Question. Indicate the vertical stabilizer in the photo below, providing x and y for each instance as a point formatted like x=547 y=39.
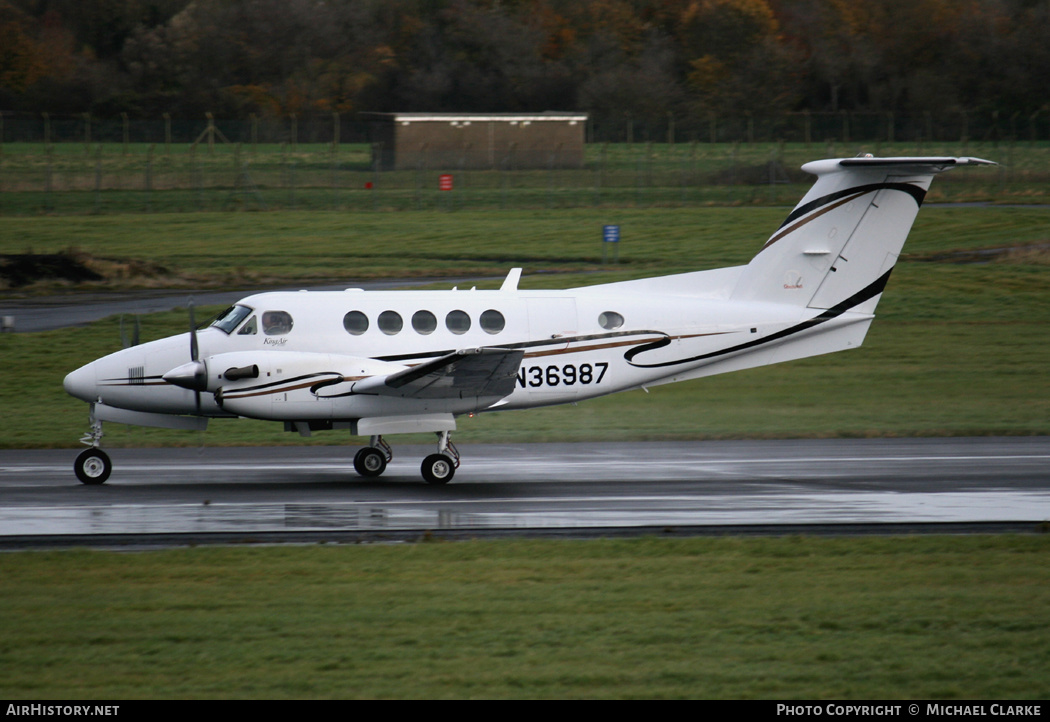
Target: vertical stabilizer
x=840 y=242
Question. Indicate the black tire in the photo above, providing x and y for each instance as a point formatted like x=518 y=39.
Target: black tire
x=93 y=467
x=370 y=462
x=438 y=469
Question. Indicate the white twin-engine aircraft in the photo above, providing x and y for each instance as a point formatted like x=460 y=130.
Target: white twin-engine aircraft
x=393 y=362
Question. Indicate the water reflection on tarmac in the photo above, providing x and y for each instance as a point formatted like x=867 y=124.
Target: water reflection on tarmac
x=535 y=486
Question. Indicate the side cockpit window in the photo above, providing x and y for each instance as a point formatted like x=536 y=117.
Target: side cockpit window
x=276 y=323
x=251 y=328
x=230 y=318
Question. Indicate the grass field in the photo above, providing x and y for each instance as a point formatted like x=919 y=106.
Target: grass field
x=795 y=618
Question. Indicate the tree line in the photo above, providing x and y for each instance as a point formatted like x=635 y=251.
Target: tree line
x=646 y=59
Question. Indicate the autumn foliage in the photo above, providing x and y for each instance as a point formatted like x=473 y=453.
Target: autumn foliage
x=644 y=58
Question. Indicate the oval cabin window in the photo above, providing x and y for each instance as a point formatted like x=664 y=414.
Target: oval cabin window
x=610 y=320
x=355 y=323
x=390 y=322
x=492 y=321
x=424 y=322
x=458 y=322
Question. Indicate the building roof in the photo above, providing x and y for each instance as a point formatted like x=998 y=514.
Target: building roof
x=549 y=115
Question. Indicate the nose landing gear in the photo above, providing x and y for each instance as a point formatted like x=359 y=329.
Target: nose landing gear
x=93 y=465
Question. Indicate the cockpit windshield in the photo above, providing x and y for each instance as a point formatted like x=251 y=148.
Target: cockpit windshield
x=229 y=319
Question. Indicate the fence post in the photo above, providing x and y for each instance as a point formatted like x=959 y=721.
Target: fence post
x=683 y=171
x=124 y=122
x=47 y=177
x=149 y=179
x=504 y=162
x=98 y=178
x=289 y=181
x=649 y=169
x=198 y=177
x=639 y=177
x=550 y=178
x=599 y=175
x=333 y=166
x=733 y=167
x=377 y=168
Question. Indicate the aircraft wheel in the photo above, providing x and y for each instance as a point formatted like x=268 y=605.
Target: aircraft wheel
x=370 y=462
x=93 y=466
x=438 y=469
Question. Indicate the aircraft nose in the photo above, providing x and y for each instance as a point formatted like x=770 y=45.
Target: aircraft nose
x=82 y=383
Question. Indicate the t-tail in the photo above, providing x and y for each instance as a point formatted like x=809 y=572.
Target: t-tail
x=836 y=249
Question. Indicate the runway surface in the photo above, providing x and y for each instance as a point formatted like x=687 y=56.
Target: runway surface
x=531 y=487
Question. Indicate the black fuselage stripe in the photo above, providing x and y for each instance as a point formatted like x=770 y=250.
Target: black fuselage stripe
x=856 y=299
x=561 y=341
x=911 y=189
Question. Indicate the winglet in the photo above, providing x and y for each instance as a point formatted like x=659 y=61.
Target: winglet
x=510 y=283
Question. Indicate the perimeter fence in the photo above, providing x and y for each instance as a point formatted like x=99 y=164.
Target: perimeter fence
x=804 y=127
x=70 y=165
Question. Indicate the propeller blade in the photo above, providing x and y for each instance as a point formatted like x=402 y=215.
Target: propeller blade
x=202 y=373
x=194 y=352
x=135 y=334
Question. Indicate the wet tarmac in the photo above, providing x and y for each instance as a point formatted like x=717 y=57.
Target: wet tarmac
x=535 y=487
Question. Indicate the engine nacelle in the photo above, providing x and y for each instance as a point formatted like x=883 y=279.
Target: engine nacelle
x=288 y=385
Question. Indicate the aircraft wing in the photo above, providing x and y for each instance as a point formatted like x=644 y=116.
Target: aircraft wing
x=461 y=374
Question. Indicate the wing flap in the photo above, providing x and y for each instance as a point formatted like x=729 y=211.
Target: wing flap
x=461 y=374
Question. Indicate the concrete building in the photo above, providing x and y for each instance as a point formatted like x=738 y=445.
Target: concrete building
x=452 y=141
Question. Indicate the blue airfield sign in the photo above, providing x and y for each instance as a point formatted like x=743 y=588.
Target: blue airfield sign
x=610 y=234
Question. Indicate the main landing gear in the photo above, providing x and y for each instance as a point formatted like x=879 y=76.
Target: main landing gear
x=372 y=460
x=437 y=468
x=93 y=465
